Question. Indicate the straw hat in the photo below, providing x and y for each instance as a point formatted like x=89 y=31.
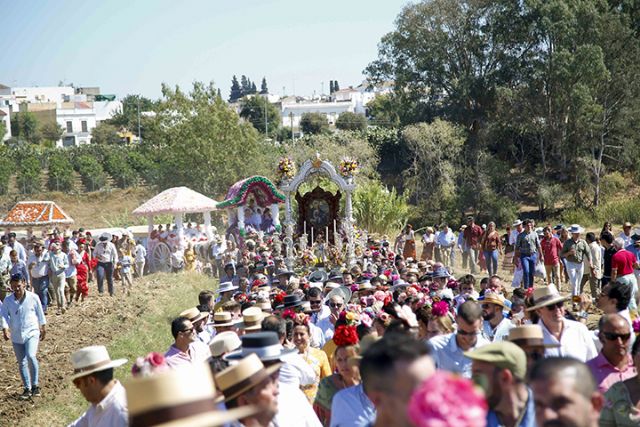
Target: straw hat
x=243 y=376
x=365 y=285
x=529 y=335
x=224 y=342
x=546 y=295
x=92 y=359
x=226 y=287
x=493 y=298
x=251 y=319
x=266 y=345
x=318 y=276
x=181 y=397
x=222 y=318
x=264 y=306
x=194 y=315
x=575 y=229
x=105 y=237
x=341 y=291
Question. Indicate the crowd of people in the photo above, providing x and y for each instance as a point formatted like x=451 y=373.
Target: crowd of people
x=394 y=340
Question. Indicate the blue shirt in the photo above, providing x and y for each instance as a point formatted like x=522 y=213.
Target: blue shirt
x=446 y=240
x=449 y=357
x=20 y=267
x=22 y=318
x=528 y=419
x=352 y=408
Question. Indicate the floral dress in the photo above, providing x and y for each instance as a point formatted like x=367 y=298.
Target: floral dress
x=318 y=360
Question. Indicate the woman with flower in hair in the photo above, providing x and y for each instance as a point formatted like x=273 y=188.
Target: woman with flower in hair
x=435 y=321
x=316 y=358
x=346 y=374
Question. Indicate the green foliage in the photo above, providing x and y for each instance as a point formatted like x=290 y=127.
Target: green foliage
x=25 y=127
x=254 y=109
x=6 y=169
x=202 y=143
x=351 y=121
x=91 y=172
x=236 y=91
x=378 y=209
x=616 y=212
x=384 y=111
x=128 y=117
x=29 y=171
x=51 y=131
x=60 y=171
x=264 y=90
x=3 y=130
x=613 y=185
x=314 y=123
x=105 y=134
x=117 y=164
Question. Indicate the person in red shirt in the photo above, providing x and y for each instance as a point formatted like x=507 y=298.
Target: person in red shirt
x=622 y=265
x=472 y=235
x=551 y=247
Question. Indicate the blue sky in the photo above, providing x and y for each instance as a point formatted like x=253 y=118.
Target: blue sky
x=132 y=46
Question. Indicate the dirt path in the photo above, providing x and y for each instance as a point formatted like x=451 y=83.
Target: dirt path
x=84 y=324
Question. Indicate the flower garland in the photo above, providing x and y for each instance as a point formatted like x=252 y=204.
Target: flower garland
x=348 y=167
x=286 y=168
x=436 y=403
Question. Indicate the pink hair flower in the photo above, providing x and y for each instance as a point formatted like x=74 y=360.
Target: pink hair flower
x=439 y=309
x=436 y=403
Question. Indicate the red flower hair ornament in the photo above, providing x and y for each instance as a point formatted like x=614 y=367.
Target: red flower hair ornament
x=345 y=335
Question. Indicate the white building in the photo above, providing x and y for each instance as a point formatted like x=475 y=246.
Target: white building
x=5 y=118
x=292 y=111
x=77 y=119
x=32 y=95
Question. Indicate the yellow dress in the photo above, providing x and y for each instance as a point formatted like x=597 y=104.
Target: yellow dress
x=318 y=360
x=329 y=349
x=189 y=259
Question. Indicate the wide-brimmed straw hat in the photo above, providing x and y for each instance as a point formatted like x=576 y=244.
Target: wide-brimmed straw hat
x=92 y=359
x=266 y=345
x=492 y=298
x=516 y=223
x=105 y=237
x=319 y=276
x=365 y=285
x=222 y=318
x=546 y=295
x=243 y=376
x=180 y=397
x=342 y=291
x=224 y=342
x=529 y=335
x=194 y=315
x=226 y=287
x=251 y=319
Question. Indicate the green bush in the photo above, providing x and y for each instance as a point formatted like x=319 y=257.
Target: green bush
x=29 y=173
x=117 y=165
x=351 y=121
x=6 y=170
x=378 y=209
x=91 y=172
x=60 y=171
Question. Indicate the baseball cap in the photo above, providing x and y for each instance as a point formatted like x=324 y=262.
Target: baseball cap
x=504 y=355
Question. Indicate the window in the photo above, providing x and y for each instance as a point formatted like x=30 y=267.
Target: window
x=69 y=127
x=84 y=126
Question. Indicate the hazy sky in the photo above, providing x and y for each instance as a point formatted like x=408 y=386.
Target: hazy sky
x=132 y=46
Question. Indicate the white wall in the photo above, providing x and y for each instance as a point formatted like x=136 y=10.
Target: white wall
x=331 y=109
x=6 y=119
x=76 y=116
x=55 y=94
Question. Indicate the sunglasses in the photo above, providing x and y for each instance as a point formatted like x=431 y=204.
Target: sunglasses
x=467 y=333
x=552 y=307
x=187 y=330
x=335 y=304
x=312 y=302
x=610 y=336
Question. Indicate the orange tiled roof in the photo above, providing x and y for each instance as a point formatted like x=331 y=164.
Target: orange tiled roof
x=36 y=214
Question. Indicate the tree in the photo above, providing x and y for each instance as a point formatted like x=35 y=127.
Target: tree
x=351 y=121
x=105 y=134
x=236 y=90
x=378 y=209
x=435 y=149
x=130 y=114
x=264 y=90
x=25 y=127
x=336 y=86
x=254 y=89
x=314 y=123
x=51 y=131
x=201 y=142
x=3 y=130
x=331 y=88
x=245 y=85
x=253 y=110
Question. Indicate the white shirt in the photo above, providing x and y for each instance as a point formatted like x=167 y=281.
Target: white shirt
x=41 y=266
x=450 y=357
x=513 y=236
x=627 y=239
x=327 y=328
x=74 y=259
x=351 y=407
x=110 y=412
x=596 y=259
x=575 y=341
x=317 y=336
x=501 y=331
x=294 y=410
x=21 y=252
x=296 y=371
x=140 y=253
x=324 y=312
x=106 y=252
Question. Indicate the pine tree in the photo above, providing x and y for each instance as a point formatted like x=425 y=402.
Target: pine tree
x=336 y=87
x=254 y=89
x=245 y=85
x=219 y=93
x=236 y=90
x=330 y=87
x=263 y=87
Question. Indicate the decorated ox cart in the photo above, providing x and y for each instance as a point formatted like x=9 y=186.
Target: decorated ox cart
x=176 y=201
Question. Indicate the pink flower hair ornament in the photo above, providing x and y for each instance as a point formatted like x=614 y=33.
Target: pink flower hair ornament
x=436 y=403
x=440 y=308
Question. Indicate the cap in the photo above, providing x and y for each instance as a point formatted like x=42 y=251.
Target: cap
x=503 y=354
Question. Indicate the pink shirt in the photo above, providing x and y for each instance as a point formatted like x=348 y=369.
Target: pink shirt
x=606 y=374
x=198 y=352
x=550 y=249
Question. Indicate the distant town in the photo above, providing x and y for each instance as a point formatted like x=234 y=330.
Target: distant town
x=78 y=110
